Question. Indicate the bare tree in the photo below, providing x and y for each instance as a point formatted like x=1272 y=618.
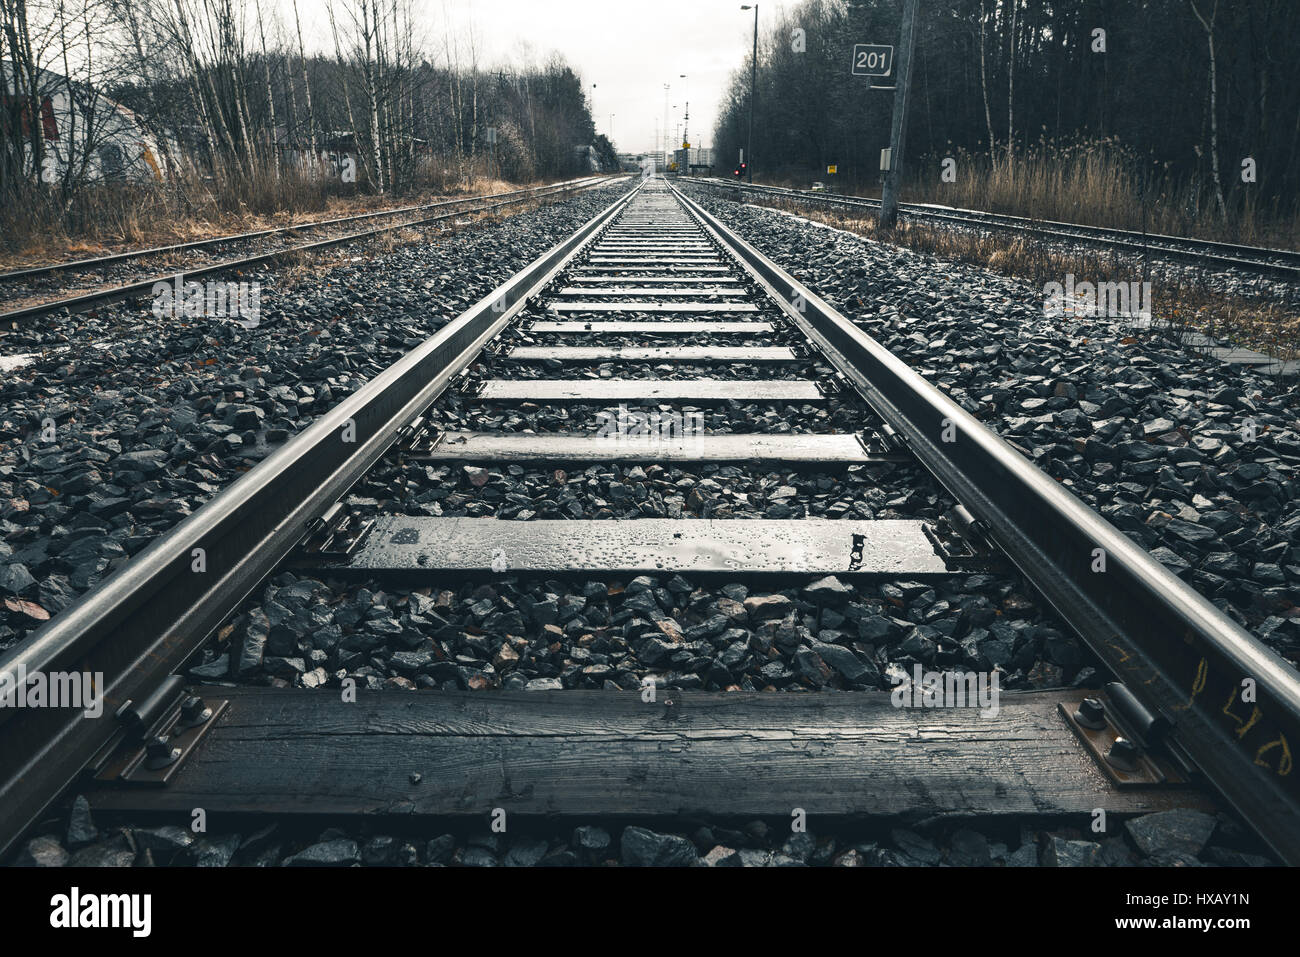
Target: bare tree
x=984 y=81
x=306 y=82
x=1208 y=26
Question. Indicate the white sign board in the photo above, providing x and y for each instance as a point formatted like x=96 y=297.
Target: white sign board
x=872 y=60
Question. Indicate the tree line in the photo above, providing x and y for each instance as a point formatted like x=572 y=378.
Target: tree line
x=229 y=89
x=1205 y=92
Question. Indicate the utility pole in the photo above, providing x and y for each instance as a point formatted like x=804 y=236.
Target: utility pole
x=753 y=92
x=686 y=138
x=686 y=128
x=667 y=129
x=898 y=129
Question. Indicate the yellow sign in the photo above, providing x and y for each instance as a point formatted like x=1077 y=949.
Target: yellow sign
x=685 y=145
x=830 y=169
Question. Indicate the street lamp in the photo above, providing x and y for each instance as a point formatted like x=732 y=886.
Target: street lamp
x=753 y=91
x=664 y=142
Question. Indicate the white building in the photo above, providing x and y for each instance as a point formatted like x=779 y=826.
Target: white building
x=698 y=157
x=84 y=134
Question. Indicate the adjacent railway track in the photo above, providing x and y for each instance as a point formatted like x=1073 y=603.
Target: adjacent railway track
x=20 y=281
x=1274 y=263
x=695 y=318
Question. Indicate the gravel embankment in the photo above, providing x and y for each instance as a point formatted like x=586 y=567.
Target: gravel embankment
x=1153 y=437
x=153 y=416
x=980 y=337
x=1165 y=839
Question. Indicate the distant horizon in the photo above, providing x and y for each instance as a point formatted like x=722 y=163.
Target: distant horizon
x=706 y=41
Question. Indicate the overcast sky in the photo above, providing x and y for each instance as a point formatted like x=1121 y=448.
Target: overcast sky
x=628 y=49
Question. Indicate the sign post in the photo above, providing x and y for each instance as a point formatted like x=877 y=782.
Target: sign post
x=898 y=130
x=872 y=60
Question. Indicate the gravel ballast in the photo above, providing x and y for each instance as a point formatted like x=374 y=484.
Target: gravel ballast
x=153 y=424
x=1192 y=458
x=150 y=417
x=1178 y=838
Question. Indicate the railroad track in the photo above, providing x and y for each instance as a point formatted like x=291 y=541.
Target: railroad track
x=19 y=283
x=1276 y=263
x=692 y=318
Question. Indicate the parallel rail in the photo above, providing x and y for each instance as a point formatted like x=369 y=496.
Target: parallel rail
x=1279 y=263
x=98 y=262
x=122 y=293
x=1180 y=656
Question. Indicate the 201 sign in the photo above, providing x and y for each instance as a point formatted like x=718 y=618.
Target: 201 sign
x=869 y=60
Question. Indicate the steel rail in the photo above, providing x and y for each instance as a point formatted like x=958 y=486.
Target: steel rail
x=145 y=620
x=144 y=287
x=97 y=262
x=1184 y=659
x=1181 y=248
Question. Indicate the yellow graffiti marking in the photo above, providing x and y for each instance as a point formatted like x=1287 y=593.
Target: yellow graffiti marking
x=1243 y=725
x=1284 y=763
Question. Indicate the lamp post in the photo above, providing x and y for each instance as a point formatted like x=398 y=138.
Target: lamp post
x=671 y=136
x=664 y=143
x=753 y=92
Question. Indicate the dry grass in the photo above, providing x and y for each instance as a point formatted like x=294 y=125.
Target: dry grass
x=1178 y=304
x=310 y=267
x=1096 y=183
x=109 y=218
